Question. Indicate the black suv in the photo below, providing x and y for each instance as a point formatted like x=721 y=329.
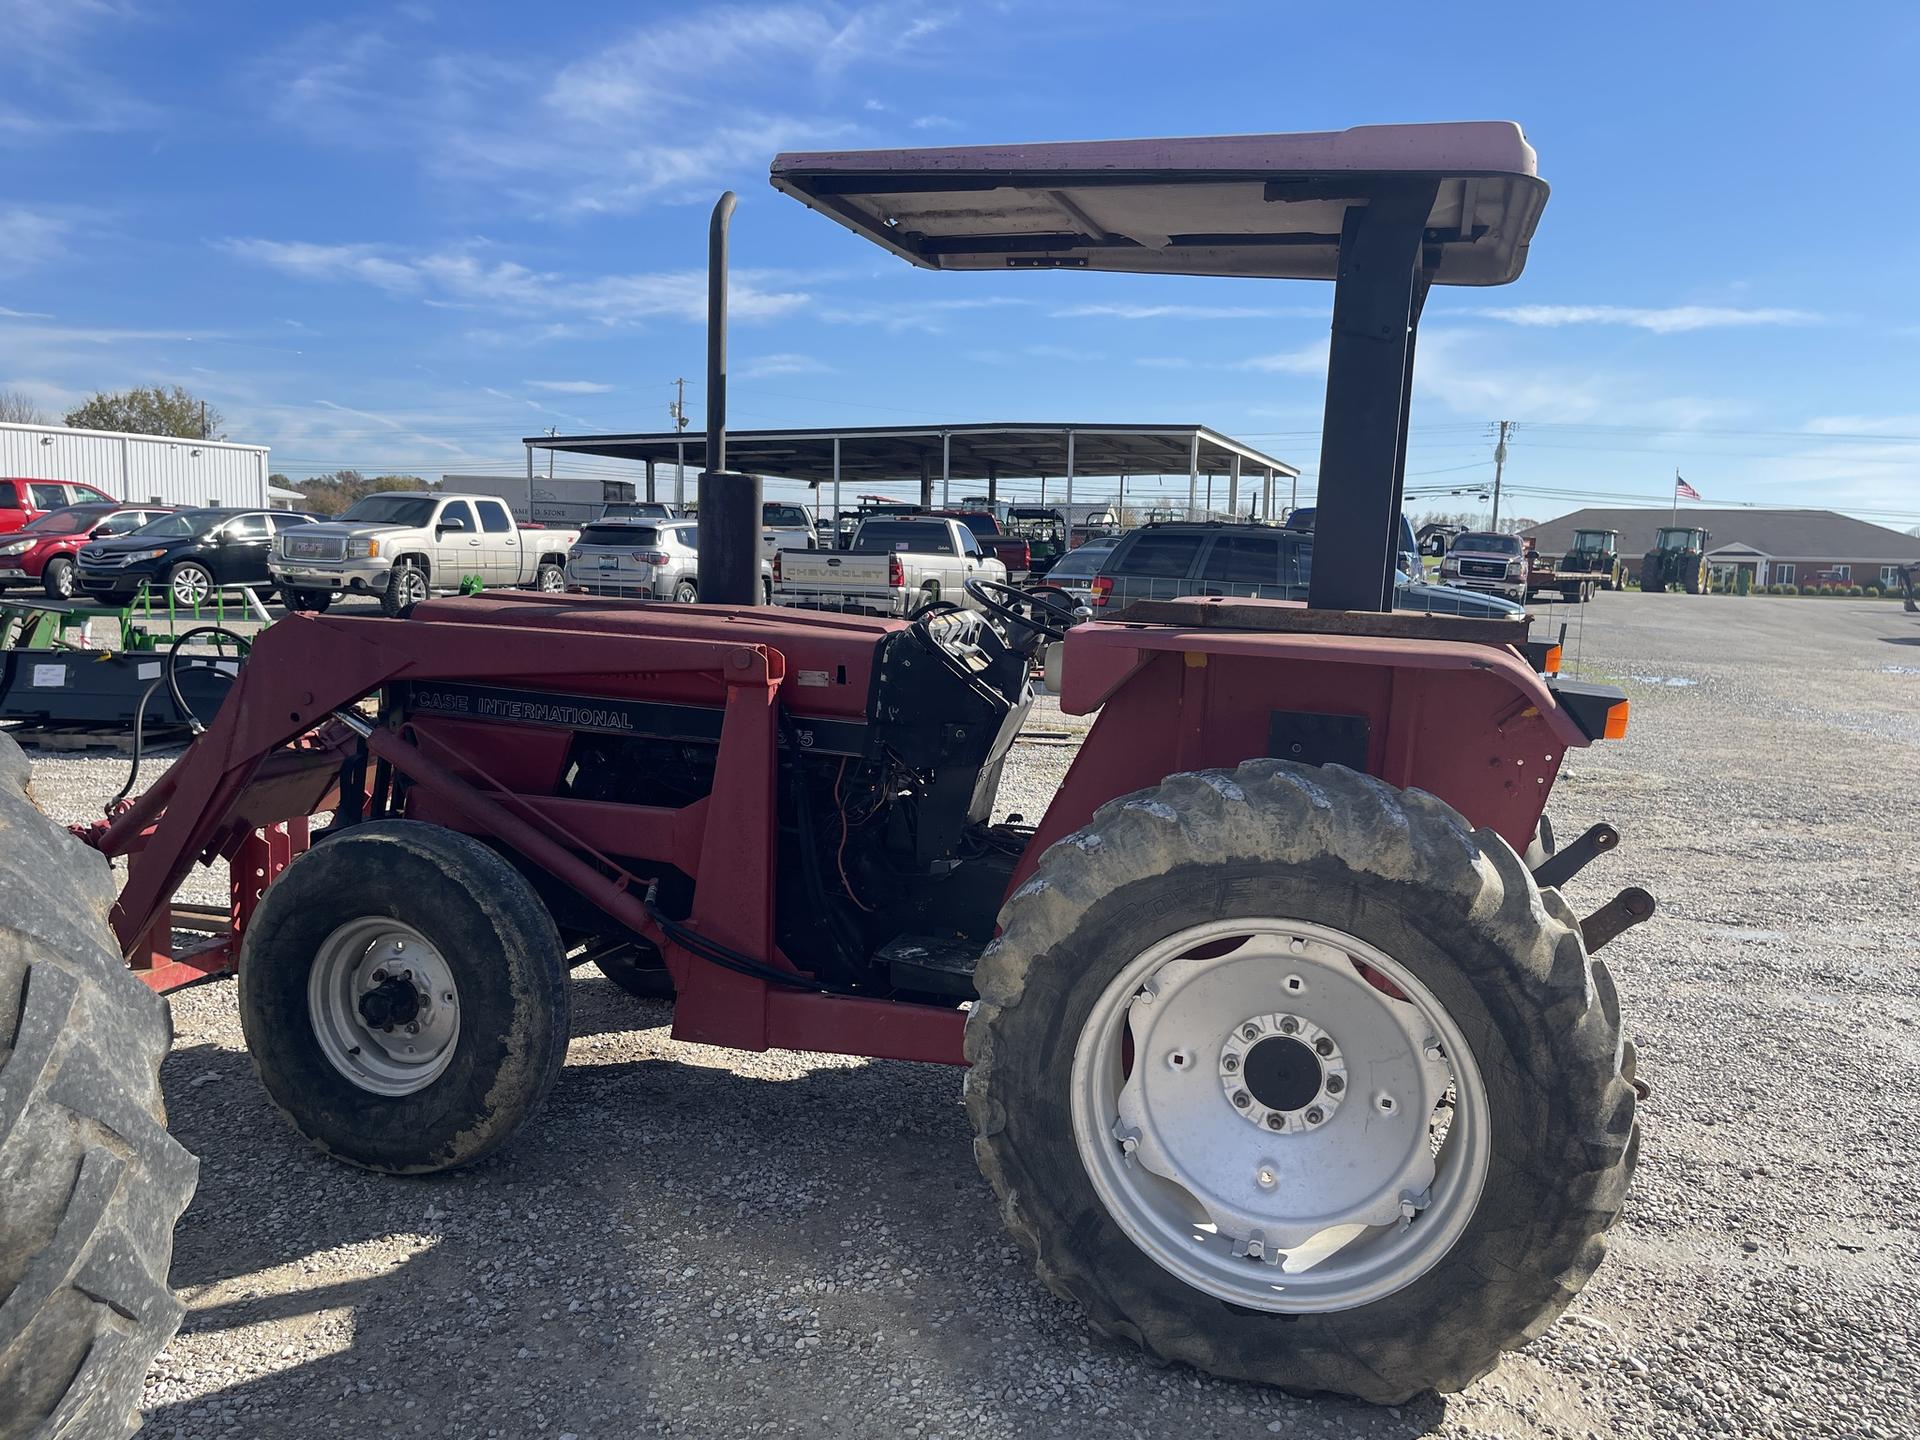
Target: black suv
x=190 y=554
x=1162 y=562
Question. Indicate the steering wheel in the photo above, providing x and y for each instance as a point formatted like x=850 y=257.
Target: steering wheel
x=1024 y=608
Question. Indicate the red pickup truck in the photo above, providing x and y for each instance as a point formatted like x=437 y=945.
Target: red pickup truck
x=23 y=500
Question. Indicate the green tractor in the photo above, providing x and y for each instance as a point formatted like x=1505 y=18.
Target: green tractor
x=1678 y=557
x=1596 y=552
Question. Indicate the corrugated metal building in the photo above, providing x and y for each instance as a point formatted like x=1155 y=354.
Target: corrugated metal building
x=143 y=469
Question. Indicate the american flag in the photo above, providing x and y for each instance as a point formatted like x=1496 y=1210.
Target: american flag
x=1683 y=490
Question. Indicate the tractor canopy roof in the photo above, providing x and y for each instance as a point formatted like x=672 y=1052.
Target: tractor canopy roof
x=1256 y=205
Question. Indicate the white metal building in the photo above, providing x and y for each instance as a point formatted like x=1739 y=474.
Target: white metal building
x=142 y=469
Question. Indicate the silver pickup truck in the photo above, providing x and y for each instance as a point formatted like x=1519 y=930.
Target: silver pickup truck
x=893 y=567
x=403 y=545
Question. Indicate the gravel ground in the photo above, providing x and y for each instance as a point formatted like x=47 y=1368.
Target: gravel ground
x=693 y=1241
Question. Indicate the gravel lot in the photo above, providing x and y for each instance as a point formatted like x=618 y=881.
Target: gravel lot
x=699 y=1242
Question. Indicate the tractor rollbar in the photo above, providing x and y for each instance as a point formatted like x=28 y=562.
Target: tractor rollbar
x=1377 y=298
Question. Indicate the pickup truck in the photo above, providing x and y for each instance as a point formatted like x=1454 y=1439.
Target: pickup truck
x=1010 y=550
x=1481 y=560
x=403 y=545
x=893 y=567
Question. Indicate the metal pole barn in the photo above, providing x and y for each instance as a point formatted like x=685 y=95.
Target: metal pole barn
x=946 y=471
x=1233 y=487
x=1069 y=477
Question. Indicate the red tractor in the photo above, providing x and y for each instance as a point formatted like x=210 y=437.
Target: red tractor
x=1284 y=1062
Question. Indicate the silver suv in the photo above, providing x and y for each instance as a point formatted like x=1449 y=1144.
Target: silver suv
x=643 y=560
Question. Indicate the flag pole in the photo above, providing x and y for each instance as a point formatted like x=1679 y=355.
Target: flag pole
x=1674 y=519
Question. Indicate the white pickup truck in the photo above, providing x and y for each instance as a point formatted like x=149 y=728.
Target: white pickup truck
x=893 y=567
x=403 y=545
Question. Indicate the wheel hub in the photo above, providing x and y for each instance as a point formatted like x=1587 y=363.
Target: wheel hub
x=1332 y=1152
x=1282 y=1072
x=384 y=1006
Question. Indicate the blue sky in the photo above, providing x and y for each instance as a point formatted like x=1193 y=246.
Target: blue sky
x=403 y=236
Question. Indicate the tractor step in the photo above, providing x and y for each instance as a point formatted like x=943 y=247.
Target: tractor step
x=931 y=964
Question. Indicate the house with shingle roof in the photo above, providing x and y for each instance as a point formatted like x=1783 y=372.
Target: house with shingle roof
x=1776 y=547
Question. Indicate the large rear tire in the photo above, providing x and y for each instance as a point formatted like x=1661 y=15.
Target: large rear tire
x=404 y=997
x=90 y=1182
x=1374 y=921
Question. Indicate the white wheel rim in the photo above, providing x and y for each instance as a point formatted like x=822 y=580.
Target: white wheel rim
x=190 y=587
x=376 y=952
x=551 y=580
x=1352 y=1172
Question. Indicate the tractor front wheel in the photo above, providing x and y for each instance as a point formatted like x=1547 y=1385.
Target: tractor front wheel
x=1694 y=582
x=403 y=993
x=1299 y=1079
x=1651 y=581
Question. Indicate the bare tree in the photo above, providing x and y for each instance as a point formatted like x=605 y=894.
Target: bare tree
x=17 y=408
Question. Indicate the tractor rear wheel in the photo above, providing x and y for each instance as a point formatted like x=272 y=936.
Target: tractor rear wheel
x=1650 y=578
x=404 y=997
x=1299 y=1079
x=90 y=1181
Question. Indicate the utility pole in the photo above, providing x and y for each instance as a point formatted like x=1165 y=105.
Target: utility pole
x=203 y=422
x=552 y=430
x=678 y=412
x=1499 y=466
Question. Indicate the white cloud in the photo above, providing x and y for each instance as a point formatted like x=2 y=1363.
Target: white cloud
x=931 y=316
x=47 y=89
x=1671 y=320
x=1110 y=311
x=767 y=366
x=630 y=122
x=30 y=238
x=570 y=387
x=1307 y=360
x=461 y=277
x=935 y=122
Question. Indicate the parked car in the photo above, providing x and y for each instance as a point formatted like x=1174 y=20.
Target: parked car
x=640 y=510
x=1074 y=571
x=1163 y=562
x=1480 y=560
x=637 y=560
x=24 y=501
x=403 y=545
x=189 y=554
x=43 y=550
x=893 y=567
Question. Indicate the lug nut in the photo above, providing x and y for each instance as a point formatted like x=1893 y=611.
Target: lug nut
x=379 y=976
x=1316 y=1115
x=1289 y=1025
x=1242 y=1099
x=1276 y=1122
x=1335 y=1084
x=1230 y=1063
x=1323 y=1045
x=413 y=1027
x=1249 y=1032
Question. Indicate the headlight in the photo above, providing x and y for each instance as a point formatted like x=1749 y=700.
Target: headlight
x=363 y=549
x=147 y=555
x=16 y=547
x=1513 y=567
